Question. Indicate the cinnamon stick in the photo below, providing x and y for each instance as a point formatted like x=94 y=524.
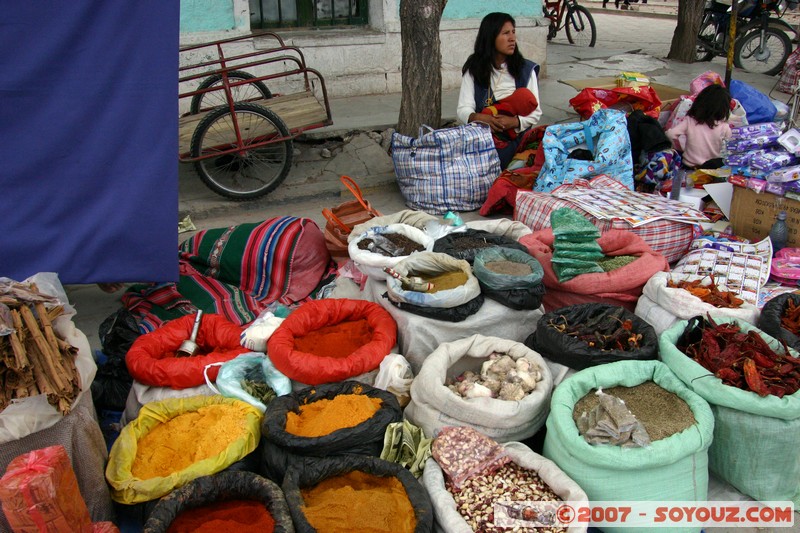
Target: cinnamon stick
x=49 y=359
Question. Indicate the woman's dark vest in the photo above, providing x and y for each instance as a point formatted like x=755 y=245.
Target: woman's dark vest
x=481 y=93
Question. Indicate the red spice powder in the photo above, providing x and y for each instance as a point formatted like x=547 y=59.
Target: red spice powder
x=246 y=516
x=338 y=341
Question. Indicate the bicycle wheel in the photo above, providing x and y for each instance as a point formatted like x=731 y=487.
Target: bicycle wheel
x=706 y=35
x=242 y=93
x=768 y=60
x=249 y=172
x=580 y=26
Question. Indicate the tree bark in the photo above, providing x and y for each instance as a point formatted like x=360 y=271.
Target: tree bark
x=421 y=101
x=684 y=47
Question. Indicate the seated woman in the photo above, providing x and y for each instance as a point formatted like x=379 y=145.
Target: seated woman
x=499 y=87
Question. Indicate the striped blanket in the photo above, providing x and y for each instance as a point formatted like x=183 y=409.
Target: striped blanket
x=237 y=272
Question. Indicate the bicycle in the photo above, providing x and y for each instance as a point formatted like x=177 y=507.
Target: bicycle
x=576 y=19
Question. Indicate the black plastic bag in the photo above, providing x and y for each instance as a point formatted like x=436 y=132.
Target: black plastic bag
x=577 y=354
x=282 y=449
x=298 y=478
x=111 y=384
x=458 y=313
x=770 y=320
x=219 y=487
x=449 y=244
x=117 y=332
x=519 y=299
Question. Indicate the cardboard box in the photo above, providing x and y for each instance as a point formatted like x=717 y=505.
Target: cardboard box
x=665 y=93
x=752 y=214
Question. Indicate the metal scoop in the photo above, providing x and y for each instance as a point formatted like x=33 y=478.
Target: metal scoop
x=189 y=347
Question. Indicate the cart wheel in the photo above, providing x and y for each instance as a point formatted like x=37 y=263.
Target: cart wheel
x=242 y=173
x=252 y=91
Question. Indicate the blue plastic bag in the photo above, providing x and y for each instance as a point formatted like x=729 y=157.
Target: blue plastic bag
x=605 y=134
x=757 y=105
x=231 y=374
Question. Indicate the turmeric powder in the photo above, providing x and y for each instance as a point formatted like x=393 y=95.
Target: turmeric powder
x=445 y=280
x=187 y=439
x=323 y=417
x=358 y=501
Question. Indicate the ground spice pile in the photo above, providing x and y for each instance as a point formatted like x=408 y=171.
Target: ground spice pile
x=187 y=439
x=338 y=340
x=247 y=516
x=443 y=281
x=323 y=417
x=662 y=412
x=402 y=245
x=509 y=268
x=361 y=502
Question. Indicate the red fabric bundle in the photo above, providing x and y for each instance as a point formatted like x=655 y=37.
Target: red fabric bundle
x=39 y=492
x=521 y=102
x=314 y=369
x=622 y=286
x=627 y=99
x=151 y=359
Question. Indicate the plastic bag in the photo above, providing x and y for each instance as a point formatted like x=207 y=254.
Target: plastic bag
x=770 y=320
x=758 y=106
x=463 y=452
x=256 y=335
x=516 y=292
x=452 y=244
x=705 y=79
x=395 y=375
x=255 y=367
x=118 y=332
x=372 y=262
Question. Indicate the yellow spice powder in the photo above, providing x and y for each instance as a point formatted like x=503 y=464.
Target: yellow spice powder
x=361 y=502
x=323 y=417
x=186 y=439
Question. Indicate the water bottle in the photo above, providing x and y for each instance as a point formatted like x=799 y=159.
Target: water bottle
x=677 y=183
x=723 y=152
x=778 y=234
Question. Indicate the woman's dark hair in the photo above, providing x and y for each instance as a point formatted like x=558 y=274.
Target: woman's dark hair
x=479 y=64
x=712 y=105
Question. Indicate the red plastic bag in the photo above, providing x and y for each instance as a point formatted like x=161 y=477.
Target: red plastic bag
x=151 y=359
x=39 y=493
x=626 y=99
x=313 y=369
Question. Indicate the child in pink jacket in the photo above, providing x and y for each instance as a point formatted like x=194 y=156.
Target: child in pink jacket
x=701 y=134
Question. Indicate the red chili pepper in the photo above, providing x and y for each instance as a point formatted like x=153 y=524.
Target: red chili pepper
x=753 y=378
x=762 y=360
x=727 y=374
x=785 y=368
x=777 y=391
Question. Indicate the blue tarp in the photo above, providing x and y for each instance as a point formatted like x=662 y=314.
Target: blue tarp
x=88 y=156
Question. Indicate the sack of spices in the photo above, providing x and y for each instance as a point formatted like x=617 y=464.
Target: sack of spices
x=330 y=340
x=326 y=420
x=39 y=492
x=385 y=246
x=584 y=335
x=752 y=433
x=350 y=493
x=780 y=318
x=661 y=304
x=175 y=441
x=671 y=468
x=242 y=501
x=509 y=276
x=495 y=402
x=465 y=244
x=527 y=476
x=152 y=358
x=452 y=279
x=621 y=286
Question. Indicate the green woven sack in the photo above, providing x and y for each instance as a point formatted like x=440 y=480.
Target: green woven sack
x=755 y=438
x=675 y=468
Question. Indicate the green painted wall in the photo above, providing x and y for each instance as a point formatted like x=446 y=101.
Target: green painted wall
x=467 y=9
x=206 y=15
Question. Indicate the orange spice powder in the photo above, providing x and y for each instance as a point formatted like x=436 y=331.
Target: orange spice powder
x=361 y=502
x=186 y=439
x=339 y=340
x=323 y=417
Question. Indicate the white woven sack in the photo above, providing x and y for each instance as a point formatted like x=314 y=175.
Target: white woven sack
x=434 y=406
x=513 y=229
x=684 y=305
x=410 y=217
x=433 y=263
x=654 y=314
x=371 y=263
x=444 y=506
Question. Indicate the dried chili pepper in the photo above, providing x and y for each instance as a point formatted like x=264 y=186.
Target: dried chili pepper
x=753 y=378
x=710 y=294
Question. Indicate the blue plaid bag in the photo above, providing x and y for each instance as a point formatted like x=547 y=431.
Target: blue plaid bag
x=605 y=134
x=444 y=170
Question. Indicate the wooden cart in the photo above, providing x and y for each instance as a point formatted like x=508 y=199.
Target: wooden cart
x=238 y=133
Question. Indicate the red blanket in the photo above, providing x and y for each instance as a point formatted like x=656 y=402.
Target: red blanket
x=522 y=102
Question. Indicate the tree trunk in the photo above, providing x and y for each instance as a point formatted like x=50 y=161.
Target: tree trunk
x=684 y=47
x=421 y=101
